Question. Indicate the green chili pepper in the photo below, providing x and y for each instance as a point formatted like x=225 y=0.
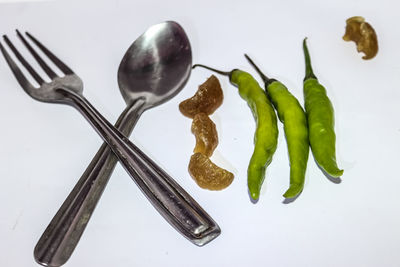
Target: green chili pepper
x=266 y=135
x=294 y=120
x=320 y=116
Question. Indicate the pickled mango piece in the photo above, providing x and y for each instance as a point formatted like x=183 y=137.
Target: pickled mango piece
x=206 y=134
x=207 y=99
x=208 y=175
x=363 y=35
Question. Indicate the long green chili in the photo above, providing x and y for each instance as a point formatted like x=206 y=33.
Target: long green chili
x=320 y=116
x=294 y=120
x=266 y=134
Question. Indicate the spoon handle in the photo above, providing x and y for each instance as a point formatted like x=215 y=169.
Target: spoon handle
x=171 y=200
x=166 y=195
x=61 y=236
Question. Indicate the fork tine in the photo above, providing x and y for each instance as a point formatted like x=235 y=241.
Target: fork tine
x=61 y=65
x=25 y=84
x=28 y=67
x=41 y=62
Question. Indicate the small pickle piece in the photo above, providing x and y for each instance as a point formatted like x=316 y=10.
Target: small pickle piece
x=206 y=134
x=363 y=35
x=207 y=99
x=208 y=175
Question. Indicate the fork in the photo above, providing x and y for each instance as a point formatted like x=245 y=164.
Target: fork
x=166 y=195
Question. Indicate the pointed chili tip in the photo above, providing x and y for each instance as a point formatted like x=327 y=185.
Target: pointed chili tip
x=335 y=173
x=254 y=196
x=293 y=191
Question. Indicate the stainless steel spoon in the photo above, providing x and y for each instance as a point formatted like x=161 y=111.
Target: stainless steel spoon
x=153 y=70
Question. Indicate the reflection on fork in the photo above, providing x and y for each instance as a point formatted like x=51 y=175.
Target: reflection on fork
x=172 y=201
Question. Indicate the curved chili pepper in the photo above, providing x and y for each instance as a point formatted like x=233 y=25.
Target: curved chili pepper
x=266 y=134
x=320 y=116
x=294 y=120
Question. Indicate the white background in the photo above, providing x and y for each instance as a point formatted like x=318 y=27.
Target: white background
x=45 y=148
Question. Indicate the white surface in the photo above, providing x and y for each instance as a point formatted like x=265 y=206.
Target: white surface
x=45 y=148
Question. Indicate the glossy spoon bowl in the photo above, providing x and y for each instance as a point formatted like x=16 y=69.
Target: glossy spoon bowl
x=156 y=66
x=154 y=69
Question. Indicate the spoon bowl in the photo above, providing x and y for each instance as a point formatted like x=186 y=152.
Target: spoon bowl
x=156 y=66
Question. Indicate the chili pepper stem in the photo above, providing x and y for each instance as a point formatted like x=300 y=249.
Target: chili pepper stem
x=309 y=70
x=227 y=73
x=263 y=76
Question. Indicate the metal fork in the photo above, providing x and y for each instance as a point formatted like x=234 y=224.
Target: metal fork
x=170 y=199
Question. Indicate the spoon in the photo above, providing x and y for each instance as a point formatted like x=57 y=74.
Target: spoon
x=153 y=70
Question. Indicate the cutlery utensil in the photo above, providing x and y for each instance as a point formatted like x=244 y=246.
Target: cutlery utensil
x=154 y=69
x=176 y=205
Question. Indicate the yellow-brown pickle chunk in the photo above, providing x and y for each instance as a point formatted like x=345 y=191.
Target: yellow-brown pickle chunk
x=208 y=175
x=363 y=35
x=207 y=99
x=206 y=134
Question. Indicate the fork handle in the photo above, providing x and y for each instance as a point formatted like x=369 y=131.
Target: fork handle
x=166 y=195
x=61 y=236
